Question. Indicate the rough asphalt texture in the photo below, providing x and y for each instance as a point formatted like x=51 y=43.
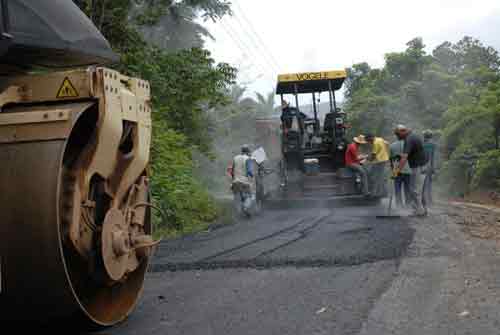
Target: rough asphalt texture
x=328 y=271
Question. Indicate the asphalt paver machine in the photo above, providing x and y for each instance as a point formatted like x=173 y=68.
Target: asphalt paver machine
x=312 y=167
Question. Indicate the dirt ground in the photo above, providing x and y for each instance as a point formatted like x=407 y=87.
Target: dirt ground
x=479 y=220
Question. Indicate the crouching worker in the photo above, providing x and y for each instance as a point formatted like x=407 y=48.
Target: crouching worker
x=353 y=161
x=242 y=181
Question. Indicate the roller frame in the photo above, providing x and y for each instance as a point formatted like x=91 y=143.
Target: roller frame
x=51 y=263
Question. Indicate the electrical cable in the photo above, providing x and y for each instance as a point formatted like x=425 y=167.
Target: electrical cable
x=255 y=45
x=249 y=51
x=258 y=37
x=240 y=44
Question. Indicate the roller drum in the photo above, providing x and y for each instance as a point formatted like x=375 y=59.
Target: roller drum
x=42 y=277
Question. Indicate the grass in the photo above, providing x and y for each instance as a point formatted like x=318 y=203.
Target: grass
x=224 y=217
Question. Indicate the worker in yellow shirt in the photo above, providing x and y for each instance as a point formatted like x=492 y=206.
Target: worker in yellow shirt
x=379 y=160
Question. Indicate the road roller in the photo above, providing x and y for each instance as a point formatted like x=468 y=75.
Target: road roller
x=75 y=229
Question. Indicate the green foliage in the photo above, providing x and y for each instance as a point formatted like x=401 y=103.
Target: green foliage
x=155 y=9
x=185 y=202
x=168 y=24
x=186 y=84
x=458 y=169
x=455 y=92
x=487 y=173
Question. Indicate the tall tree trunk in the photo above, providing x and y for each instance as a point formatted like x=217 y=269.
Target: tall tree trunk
x=92 y=9
x=103 y=14
x=497 y=135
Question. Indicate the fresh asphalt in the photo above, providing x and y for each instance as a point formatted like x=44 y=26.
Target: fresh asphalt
x=322 y=271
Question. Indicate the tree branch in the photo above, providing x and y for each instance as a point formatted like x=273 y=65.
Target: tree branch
x=103 y=12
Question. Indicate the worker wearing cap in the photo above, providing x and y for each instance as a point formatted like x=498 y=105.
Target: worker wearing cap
x=353 y=161
x=289 y=115
x=242 y=180
x=379 y=159
x=414 y=154
x=428 y=171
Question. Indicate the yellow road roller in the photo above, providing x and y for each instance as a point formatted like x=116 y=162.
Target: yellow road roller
x=75 y=229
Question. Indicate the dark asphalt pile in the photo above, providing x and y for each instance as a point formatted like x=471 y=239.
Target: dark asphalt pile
x=298 y=238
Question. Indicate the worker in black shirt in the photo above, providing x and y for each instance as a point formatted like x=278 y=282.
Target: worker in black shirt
x=414 y=154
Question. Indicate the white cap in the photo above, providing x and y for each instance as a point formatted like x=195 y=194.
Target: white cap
x=401 y=127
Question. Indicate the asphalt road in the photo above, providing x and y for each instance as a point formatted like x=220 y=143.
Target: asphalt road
x=326 y=271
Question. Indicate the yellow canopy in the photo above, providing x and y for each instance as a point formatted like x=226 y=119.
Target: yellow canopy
x=308 y=82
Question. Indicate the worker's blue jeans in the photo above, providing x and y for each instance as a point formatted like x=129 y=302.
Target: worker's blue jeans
x=417 y=189
x=243 y=201
x=243 y=198
x=427 y=194
x=361 y=170
x=402 y=182
x=378 y=178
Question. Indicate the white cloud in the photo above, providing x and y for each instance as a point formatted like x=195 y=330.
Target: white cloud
x=326 y=34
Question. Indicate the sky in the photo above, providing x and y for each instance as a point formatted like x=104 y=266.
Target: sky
x=266 y=37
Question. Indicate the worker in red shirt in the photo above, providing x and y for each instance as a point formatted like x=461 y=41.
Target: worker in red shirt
x=353 y=161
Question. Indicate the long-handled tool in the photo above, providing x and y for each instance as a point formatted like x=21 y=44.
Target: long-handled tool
x=389 y=208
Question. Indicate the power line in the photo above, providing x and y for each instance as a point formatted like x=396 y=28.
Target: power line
x=267 y=75
x=248 y=39
x=259 y=39
x=249 y=46
x=235 y=40
x=248 y=50
x=240 y=44
x=255 y=46
x=253 y=42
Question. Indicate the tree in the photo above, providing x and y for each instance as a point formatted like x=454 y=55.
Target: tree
x=355 y=78
x=472 y=54
x=446 y=58
x=265 y=104
x=455 y=92
x=168 y=24
x=186 y=84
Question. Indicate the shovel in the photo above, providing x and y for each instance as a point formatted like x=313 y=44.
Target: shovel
x=389 y=209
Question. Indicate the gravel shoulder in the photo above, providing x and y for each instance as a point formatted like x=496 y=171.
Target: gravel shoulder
x=448 y=283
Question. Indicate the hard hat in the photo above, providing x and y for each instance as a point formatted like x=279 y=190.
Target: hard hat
x=245 y=149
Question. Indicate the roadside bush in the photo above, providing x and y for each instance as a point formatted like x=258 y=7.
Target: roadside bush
x=456 y=173
x=184 y=201
x=487 y=172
